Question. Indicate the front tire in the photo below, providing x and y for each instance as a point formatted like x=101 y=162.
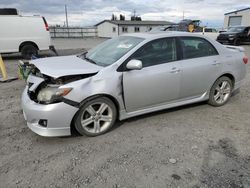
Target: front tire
x=96 y=117
x=220 y=91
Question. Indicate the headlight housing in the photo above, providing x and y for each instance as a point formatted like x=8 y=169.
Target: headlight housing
x=51 y=94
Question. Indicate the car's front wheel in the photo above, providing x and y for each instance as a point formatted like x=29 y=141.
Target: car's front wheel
x=220 y=91
x=96 y=117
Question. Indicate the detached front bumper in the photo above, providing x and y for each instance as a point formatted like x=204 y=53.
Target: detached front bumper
x=58 y=117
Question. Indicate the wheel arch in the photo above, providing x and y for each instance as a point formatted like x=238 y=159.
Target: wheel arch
x=230 y=76
x=28 y=43
x=112 y=98
x=227 y=74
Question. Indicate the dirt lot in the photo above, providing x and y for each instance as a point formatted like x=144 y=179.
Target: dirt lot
x=192 y=146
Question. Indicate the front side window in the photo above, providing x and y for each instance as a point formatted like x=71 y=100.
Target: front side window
x=194 y=47
x=157 y=52
x=112 y=50
x=236 y=29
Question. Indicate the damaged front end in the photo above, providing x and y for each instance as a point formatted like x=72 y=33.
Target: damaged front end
x=44 y=89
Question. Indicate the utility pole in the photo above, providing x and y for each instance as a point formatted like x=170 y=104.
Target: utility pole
x=67 y=23
x=66 y=14
x=183 y=14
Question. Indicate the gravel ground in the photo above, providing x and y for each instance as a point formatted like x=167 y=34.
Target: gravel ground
x=191 y=146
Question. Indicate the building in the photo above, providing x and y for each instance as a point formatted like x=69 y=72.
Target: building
x=113 y=28
x=238 y=17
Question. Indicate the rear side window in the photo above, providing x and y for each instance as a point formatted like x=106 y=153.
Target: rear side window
x=194 y=47
x=157 y=52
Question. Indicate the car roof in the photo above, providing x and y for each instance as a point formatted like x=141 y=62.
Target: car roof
x=161 y=34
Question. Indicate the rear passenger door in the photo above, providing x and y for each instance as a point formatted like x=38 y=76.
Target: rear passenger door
x=200 y=66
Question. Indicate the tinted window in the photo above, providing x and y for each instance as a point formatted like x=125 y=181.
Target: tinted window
x=246 y=30
x=157 y=52
x=210 y=30
x=236 y=29
x=193 y=47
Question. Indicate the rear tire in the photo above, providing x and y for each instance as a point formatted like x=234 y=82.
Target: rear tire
x=28 y=50
x=220 y=91
x=96 y=117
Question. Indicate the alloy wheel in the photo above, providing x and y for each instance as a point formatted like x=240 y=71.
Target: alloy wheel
x=222 y=92
x=96 y=117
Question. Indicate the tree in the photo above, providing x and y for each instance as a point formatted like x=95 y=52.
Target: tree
x=122 y=17
x=136 y=18
x=113 y=17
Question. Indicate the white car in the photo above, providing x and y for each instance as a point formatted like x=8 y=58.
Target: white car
x=25 y=34
x=210 y=32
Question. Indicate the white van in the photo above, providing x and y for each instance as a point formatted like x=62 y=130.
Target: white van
x=25 y=34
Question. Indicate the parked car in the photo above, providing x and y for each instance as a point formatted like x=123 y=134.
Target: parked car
x=210 y=32
x=128 y=76
x=25 y=34
x=235 y=35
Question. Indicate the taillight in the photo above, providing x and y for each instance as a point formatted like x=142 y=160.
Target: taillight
x=245 y=59
x=45 y=24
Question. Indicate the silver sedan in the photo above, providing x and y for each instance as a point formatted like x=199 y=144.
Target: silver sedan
x=127 y=76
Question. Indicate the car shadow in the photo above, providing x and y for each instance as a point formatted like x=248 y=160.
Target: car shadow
x=160 y=112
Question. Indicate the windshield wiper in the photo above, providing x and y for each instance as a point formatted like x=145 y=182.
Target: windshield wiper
x=90 y=60
x=83 y=56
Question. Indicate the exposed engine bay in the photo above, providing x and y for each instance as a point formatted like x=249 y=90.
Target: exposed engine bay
x=47 y=89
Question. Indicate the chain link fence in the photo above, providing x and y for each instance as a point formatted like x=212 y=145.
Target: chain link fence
x=72 y=32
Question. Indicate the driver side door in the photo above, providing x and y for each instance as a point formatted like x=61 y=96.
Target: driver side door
x=158 y=82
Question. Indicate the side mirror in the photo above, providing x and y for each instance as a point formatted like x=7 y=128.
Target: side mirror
x=134 y=64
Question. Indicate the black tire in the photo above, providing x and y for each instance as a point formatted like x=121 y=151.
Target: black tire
x=28 y=50
x=214 y=91
x=236 y=42
x=83 y=114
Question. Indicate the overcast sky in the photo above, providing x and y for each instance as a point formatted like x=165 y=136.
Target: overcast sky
x=87 y=12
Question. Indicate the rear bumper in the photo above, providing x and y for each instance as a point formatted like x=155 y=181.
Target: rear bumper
x=58 y=117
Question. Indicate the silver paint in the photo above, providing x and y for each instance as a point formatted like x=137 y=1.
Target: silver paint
x=135 y=92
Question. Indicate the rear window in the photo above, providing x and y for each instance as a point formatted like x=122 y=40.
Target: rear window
x=236 y=29
x=194 y=47
x=45 y=24
x=8 y=11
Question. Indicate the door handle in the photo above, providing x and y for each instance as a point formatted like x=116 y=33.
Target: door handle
x=215 y=63
x=175 y=70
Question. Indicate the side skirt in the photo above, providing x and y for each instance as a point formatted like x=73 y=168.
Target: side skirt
x=126 y=115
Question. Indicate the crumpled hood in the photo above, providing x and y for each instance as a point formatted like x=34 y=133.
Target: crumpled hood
x=64 y=66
